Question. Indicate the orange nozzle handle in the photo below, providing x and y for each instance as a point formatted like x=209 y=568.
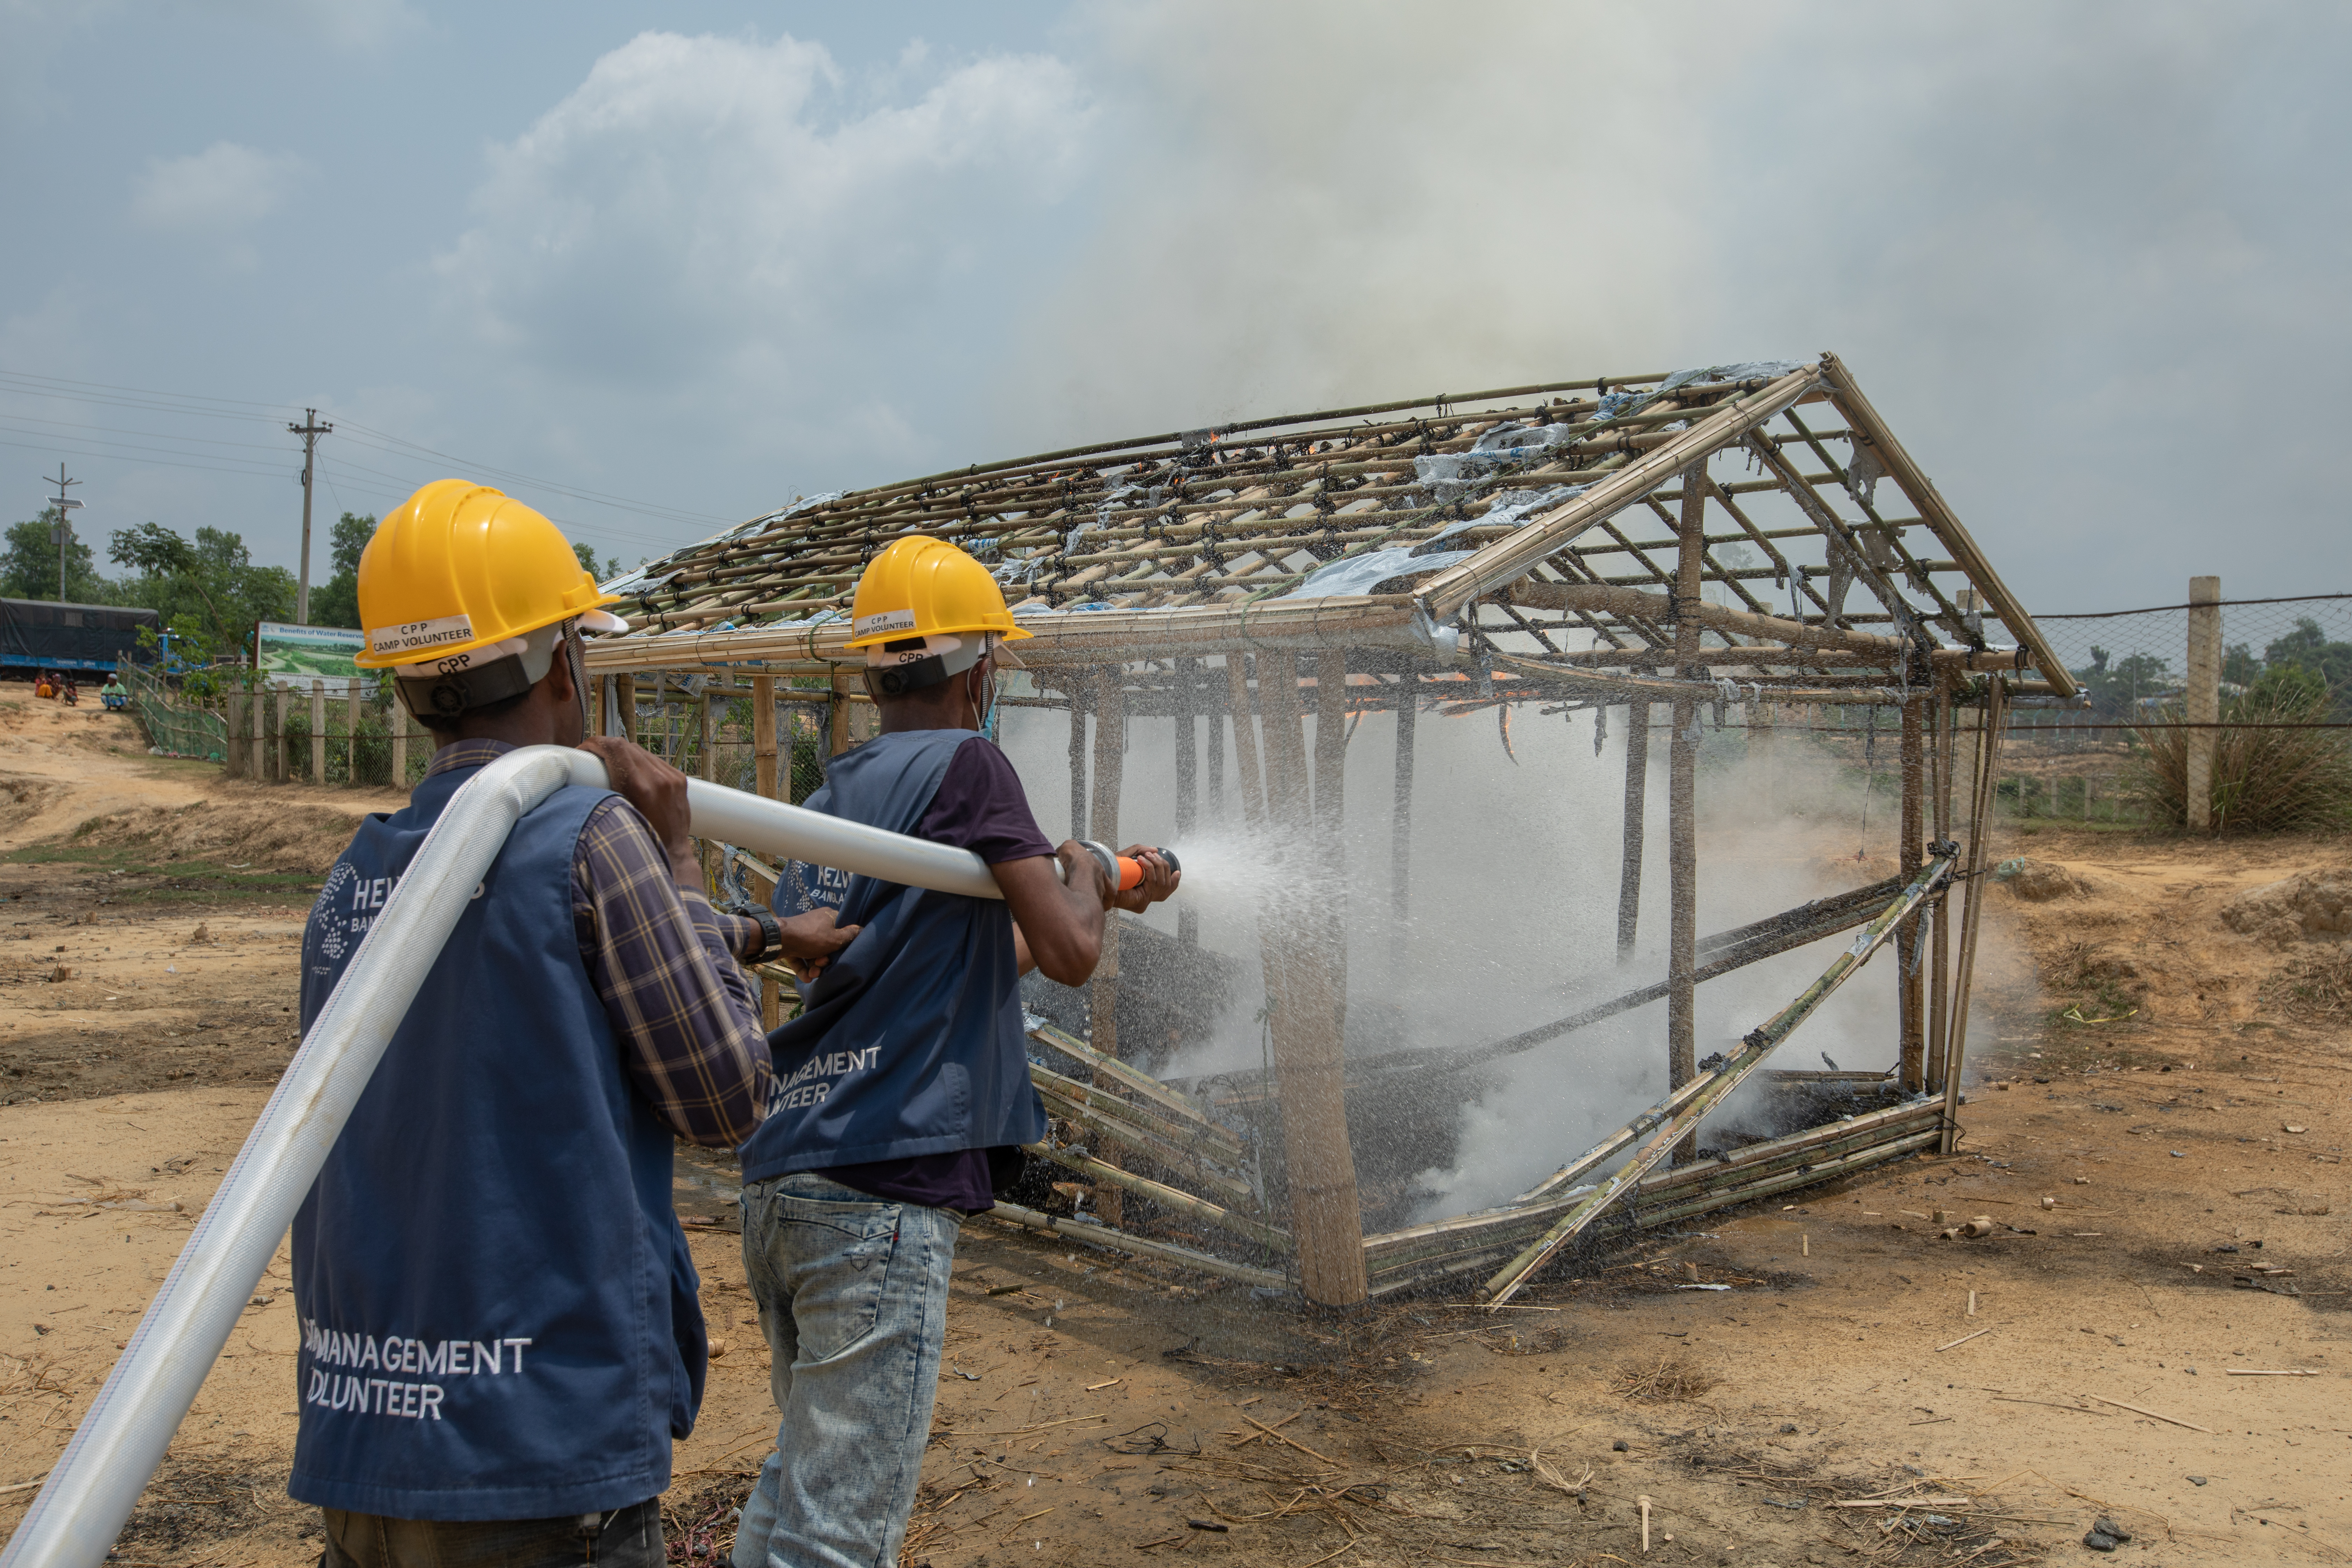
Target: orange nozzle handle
x=1130 y=871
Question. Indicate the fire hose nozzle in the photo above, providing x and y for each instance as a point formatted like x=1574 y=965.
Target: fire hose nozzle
x=1120 y=872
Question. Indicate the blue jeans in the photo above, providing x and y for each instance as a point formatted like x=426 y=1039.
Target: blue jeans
x=853 y=1293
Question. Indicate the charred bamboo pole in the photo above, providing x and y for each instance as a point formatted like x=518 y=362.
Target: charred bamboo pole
x=1988 y=760
x=1205 y=1140
x=1637 y=789
x=1160 y=1192
x=1136 y=1082
x=1601 y=1154
x=1682 y=803
x=1680 y=1123
x=1909 y=982
x=1112 y=1240
x=1739 y=1169
x=1308 y=1022
x=1135 y=1139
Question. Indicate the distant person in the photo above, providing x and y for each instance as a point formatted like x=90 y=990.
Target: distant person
x=501 y=1328
x=43 y=687
x=113 y=693
x=71 y=696
x=902 y=1092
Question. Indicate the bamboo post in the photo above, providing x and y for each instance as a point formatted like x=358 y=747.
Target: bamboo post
x=2204 y=704
x=1940 y=914
x=838 y=731
x=1078 y=757
x=1253 y=787
x=354 y=704
x=625 y=707
x=319 y=732
x=1188 y=783
x=1637 y=786
x=763 y=736
x=1682 y=806
x=1102 y=991
x=1109 y=768
x=1331 y=747
x=1216 y=761
x=1304 y=943
x=1980 y=804
x=1408 y=714
x=1911 y=855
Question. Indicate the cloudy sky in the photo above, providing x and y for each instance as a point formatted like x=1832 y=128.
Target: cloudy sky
x=658 y=269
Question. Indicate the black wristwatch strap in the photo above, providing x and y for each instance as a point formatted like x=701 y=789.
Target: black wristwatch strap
x=772 y=935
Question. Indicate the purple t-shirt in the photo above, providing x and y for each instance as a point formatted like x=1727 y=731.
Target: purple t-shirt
x=980 y=806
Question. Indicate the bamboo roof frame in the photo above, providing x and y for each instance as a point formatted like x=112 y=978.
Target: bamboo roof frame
x=1190 y=542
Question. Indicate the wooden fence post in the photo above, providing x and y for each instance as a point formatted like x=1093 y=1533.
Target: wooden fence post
x=1682 y=806
x=282 y=761
x=395 y=719
x=352 y=779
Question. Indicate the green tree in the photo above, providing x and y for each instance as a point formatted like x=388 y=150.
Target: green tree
x=2306 y=648
x=28 y=568
x=605 y=572
x=336 y=602
x=2239 y=665
x=2117 y=686
x=207 y=590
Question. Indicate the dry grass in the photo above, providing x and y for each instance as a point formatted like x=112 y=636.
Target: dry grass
x=1671 y=1381
x=2264 y=780
x=2316 y=988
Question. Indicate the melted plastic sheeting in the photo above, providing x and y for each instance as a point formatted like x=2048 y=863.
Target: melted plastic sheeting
x=1361 y=574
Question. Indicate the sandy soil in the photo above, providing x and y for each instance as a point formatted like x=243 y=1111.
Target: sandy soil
x=1097 y=1412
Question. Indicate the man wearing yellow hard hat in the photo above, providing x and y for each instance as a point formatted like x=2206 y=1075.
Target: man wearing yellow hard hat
x=902 y=1091
x=500 y=1325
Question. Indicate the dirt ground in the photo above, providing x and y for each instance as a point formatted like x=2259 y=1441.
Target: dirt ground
x=2165 y=1178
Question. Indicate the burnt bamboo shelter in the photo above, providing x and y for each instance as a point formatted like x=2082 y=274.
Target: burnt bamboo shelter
x=1748 y=536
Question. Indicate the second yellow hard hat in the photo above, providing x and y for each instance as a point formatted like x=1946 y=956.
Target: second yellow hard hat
x=920 y=587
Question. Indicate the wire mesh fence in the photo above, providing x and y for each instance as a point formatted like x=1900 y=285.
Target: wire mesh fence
x=175 y=728
x=2276 y=754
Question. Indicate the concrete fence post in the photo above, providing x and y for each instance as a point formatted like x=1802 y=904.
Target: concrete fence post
x=2203 y=706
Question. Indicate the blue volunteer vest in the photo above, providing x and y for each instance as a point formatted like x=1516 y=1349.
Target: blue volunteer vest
x=910 y=1041
x=500 y=1316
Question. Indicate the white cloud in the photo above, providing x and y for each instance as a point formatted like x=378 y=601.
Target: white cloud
x=220 y=190
x=707 y=217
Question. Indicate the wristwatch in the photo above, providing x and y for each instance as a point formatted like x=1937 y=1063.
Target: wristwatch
x=772 y=935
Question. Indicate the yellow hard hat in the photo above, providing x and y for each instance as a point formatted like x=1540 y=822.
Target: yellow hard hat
x=922 y=587
x=459 y=568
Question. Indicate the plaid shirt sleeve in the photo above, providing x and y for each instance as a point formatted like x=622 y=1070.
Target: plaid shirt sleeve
x=662 y=960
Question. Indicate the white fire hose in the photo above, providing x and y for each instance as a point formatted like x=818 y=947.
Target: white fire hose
x=90 y=1491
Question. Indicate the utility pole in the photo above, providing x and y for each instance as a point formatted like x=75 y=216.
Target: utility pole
x=63 y=530
x=309 y=430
